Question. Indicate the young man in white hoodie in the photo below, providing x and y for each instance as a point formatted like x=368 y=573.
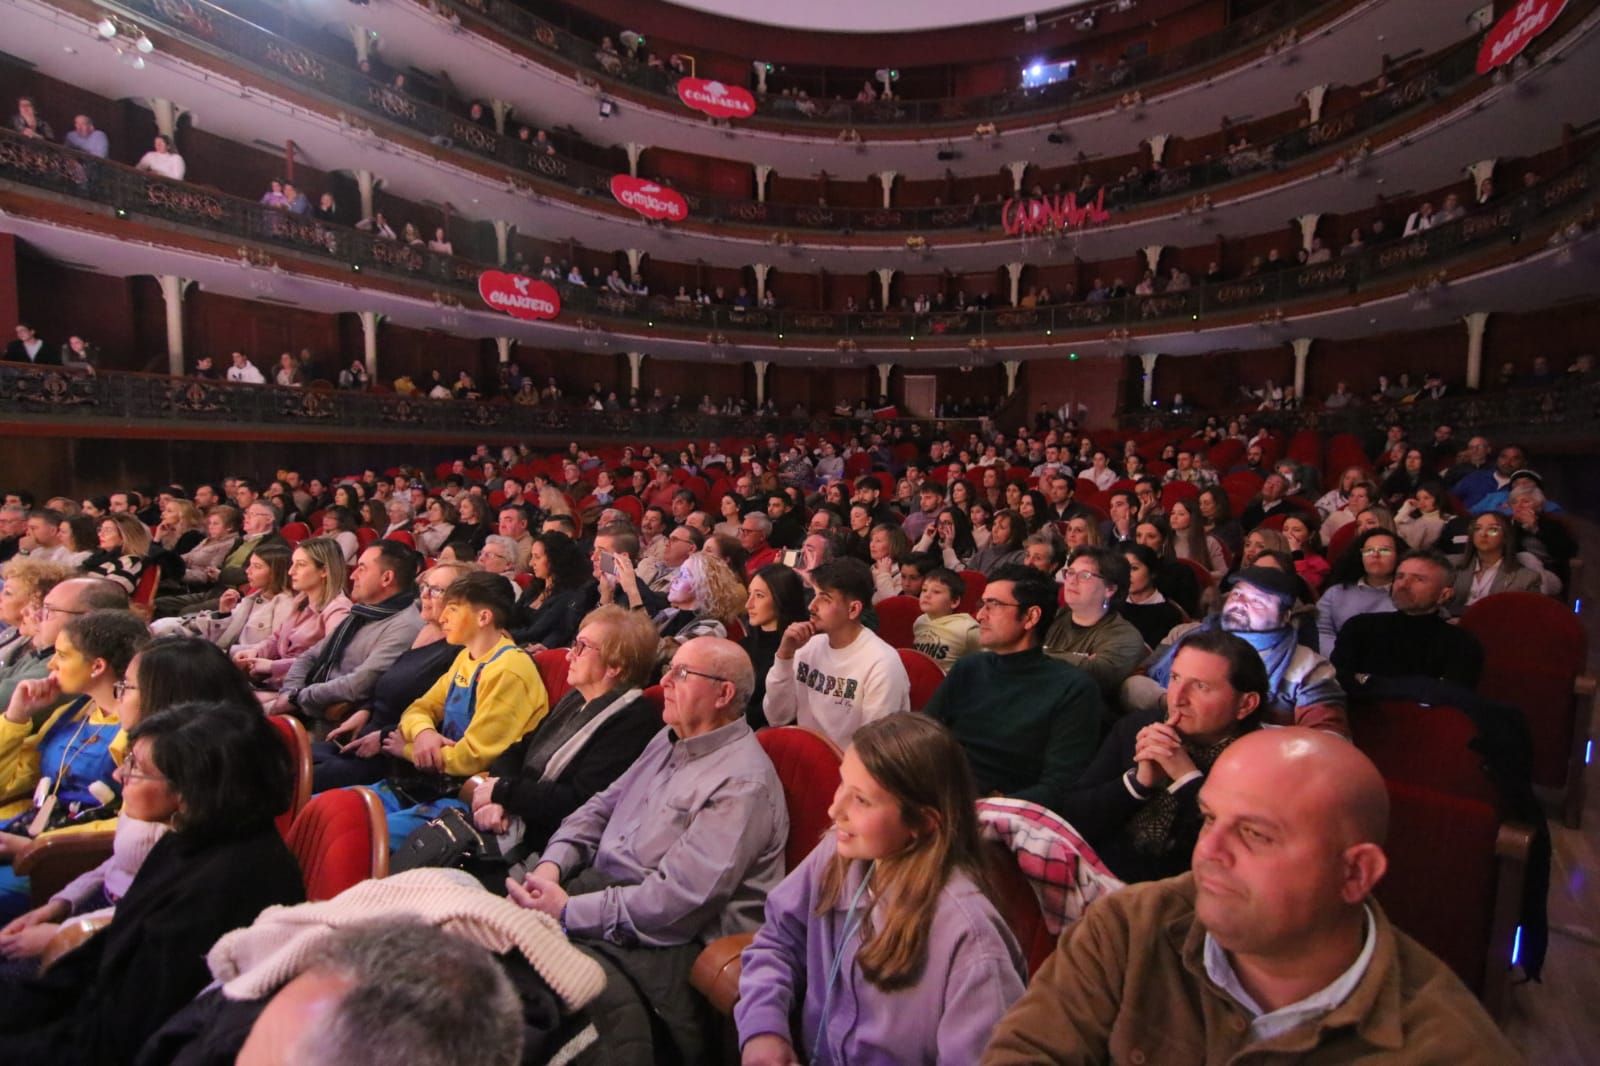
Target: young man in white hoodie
x=831 y=673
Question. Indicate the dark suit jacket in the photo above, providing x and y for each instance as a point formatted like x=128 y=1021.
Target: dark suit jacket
x=47 y=356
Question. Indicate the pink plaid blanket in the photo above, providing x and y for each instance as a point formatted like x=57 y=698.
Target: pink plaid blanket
x=1063 y=870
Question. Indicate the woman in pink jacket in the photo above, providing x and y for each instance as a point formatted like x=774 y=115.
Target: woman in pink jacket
x=316 y=578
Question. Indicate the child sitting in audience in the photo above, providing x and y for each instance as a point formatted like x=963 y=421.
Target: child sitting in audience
x=941 y=632
x=881 y=944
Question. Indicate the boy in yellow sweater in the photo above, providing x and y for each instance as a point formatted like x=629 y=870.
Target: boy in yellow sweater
x=489 y=699
x=941 y=632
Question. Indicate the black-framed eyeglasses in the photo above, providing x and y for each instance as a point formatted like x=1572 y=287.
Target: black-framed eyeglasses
x=987 y=604
x=122 y=688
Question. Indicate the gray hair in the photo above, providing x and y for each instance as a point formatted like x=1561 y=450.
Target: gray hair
x=1526 y=491
x=512 y=549
x=762 y=521
x=96 y=593
x=415 y=995
x=731 y=662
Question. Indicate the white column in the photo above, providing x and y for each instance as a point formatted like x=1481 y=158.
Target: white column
x=1011 y=367
x=763 y=172
x=502 y=111
x=1314 y=97
x=761 y=381
x=366 y=184
x=1481 y=171
x=1308 y=229
x=1019 y=170
x=1014 y=271
x=1477 y=323
x=884 y=370
x=634 y=152
x=362 y=39
x=1149 y=361
x=1158 y=146
x=1152 y=257
x=761 y=271
x=369 y=341
x=885 y=276
x=502 y=241
x=167 y=114
x=887 y=178
x=172 y=290
x=502 y=348
x=635 y=260
x=1302 y=349
x=635 y=361
x=761 y=76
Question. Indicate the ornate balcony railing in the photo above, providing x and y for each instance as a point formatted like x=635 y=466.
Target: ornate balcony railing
x=1568 y=410
x=1237 y=38
x=239 y=40
x=40 y=165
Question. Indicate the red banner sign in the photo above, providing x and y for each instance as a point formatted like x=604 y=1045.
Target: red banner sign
x=1044 y=213
x=518 y=296
x=649 y=199
x=1516 y=30
x=716 y=99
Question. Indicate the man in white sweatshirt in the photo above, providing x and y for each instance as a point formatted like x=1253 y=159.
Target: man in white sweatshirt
x=831 y=673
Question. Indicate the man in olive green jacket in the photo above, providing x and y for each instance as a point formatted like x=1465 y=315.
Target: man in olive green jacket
x=1270 y=951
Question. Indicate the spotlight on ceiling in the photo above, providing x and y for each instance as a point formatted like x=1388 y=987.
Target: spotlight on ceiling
x=608 y=107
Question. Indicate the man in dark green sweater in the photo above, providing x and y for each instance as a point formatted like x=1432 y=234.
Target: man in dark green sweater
x=1029 y=723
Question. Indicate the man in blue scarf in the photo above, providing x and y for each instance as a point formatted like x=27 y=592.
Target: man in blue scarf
x=1303 y=690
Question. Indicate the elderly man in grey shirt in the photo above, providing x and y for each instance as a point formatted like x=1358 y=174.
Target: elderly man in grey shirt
x=682 y=848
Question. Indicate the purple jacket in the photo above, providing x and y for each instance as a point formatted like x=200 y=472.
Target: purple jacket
x=973 y=974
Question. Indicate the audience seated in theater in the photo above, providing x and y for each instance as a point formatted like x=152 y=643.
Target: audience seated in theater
x=1191 y=541
x=755 y=532
x=59 y=775
x=1007 y=531
x=217 y=775
x=1151 y=613
x=316 y=580
x=124 y=548
x=1539 y=532
x=560 y=594
x=887 y=548
x=29 y=347
x=885 y=914
x=1491 y=564
x=678 y=546
x=589 y=738
x=163 y=674
x=685 y=846
x=1219 y=521
x=1272 y=499
x=1421 y=517
x=776 y=600
x=1090 y=634
x=61 y=597
x=1358 y=584
x=1175 y=580
x=1272 y=947
x=1259 y=610
x=1029 y=723
x=1358 y=499
x=940 y=632
x=29 y=123
x=1135 y=804
x=181 y=527
x=351 y=754
x=1300 y=538
x=704 y=599
x=1415 y=640
x=831 y=673
x=163 y=159
x=487 y=700
x=1472 y=486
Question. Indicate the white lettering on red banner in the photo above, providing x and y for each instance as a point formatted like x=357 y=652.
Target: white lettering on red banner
x=716 y=99
x=1516 y=30
x=518 y=296
x=1043 y=213
x=649 y=199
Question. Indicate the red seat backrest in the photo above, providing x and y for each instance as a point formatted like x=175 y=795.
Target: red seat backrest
x=975 y=581
x=294 y=532
x=402 y=536
x=925 y=676
x=630 y=506
x=808 y=765
x=365 y=536
x=1013 y=897
x=1443 y=871
x=1201 y=574
x=1426 y=746
x=1341 y=541
x=298 y=743
x=552 y=665
x=1173 y=491
x=340 y=840
x=144 y=593
x=897 y=616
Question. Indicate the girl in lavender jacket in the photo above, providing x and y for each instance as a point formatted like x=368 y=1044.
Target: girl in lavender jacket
x=883 y=935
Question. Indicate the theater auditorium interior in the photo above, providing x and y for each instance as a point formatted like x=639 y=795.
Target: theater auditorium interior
x=717 y=531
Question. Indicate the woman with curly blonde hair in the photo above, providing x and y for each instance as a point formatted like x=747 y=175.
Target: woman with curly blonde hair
x=705 y=597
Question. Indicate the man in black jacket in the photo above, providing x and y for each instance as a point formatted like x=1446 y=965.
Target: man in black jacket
x=1414 y=640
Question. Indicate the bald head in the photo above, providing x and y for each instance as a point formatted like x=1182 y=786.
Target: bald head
x=727 y=660
x=1345 y=782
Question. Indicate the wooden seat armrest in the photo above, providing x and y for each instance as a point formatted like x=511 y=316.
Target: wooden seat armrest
x=72 y=933
x=715 y=974
x=54 y=861
x=1511 y=847
x=1584 y=685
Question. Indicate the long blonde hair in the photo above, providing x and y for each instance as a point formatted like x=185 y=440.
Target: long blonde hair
x=329 y=557
x=918 y=762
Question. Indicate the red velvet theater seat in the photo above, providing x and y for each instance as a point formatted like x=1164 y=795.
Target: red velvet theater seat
x=925 y=676
x=340 y=840
x=897 y=619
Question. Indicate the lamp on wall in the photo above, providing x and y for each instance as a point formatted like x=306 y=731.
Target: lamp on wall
x=126 y=39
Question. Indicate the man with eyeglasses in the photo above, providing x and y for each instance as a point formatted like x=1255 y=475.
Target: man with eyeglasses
x=1303 y=688
x=754 y=530
x=657 y=574
x=1029 y=723
x=682 y=848
x=344 y=667
x=259 y=524
x=66 y=601
x=831 y=673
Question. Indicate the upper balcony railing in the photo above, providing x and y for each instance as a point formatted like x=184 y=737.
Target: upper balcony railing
x=1245 y=35
x=60 y=170
x=241 y=40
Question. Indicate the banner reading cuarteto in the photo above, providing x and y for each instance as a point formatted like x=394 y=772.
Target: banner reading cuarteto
x=518 y=296
x=716 y=99
x=649 y=199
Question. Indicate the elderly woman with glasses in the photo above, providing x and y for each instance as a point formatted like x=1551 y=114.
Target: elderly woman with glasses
x=1091 y=634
